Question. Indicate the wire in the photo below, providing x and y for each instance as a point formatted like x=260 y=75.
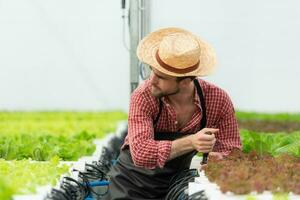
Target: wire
x=198 y=196
x=86 y=180
x=70 y=189
x=179 y=185
x=93 y=182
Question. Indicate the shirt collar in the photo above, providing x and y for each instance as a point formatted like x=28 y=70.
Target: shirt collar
x=196 y=99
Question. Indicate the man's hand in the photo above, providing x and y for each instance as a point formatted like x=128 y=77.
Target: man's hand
x=198 y=141
x=202 y=142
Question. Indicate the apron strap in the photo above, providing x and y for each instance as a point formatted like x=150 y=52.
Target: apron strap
x=169 y=135
x=202 y=102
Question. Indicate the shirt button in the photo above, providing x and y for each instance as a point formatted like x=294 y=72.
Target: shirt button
x=176 y=122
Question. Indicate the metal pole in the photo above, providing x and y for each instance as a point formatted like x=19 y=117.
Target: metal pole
x=144 y=30
x=138 y=28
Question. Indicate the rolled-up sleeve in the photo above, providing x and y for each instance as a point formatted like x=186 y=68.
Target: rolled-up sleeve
x=228 y=136
x=145 y=151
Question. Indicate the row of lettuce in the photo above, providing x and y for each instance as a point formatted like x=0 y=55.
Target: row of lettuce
x=69 y=135
x=23 y=176
x=28 y=137
x=40 y=136
x=32 y=144
x=271 y=143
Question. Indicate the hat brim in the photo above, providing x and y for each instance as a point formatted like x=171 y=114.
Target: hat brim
x=147 y=48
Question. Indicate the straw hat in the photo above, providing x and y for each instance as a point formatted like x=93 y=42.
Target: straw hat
x=177 y=52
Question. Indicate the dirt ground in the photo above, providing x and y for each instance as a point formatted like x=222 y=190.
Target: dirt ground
x=269 y=126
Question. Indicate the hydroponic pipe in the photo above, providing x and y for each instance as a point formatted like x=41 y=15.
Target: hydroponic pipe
x=97 y=183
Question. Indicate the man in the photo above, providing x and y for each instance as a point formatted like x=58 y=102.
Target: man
x=169 y=116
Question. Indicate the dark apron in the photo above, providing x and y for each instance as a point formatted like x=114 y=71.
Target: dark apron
x=128 y=181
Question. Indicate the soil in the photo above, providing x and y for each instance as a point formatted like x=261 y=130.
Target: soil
x=242 y=173
x=269 y=126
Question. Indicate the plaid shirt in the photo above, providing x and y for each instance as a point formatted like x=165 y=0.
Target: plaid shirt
x=148 y=153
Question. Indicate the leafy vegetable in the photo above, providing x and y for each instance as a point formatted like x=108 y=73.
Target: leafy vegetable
x=274 y=144
x=5 y=191
x=44 y=146
x=57 y=123
x=243 y=173
x=22 y=177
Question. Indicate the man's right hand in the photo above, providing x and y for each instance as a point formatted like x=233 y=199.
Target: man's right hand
x=199 y=141
x=203 y=142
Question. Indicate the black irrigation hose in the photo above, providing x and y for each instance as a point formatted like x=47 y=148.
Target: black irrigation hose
x=198 y=196
x=104 y=162
x=93 y=168
x=71 y=189
x=69 y=180
x=179 y=185
x=180 y=192
x=92 y=173
x=86 y=181
x=179 y=189
x=56 y=195
x=75 y=186
x=180 y=177
x=104 y=166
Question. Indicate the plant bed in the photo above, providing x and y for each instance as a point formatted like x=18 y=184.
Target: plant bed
x=43 y=146
x=24 y=176
x=34 y=146
x=269 y=126
x=42 y=135
x=262 y=122
x=243 y=173
x=295 y=117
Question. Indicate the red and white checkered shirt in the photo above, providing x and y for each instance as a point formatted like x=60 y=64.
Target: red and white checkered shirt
x=148 y=153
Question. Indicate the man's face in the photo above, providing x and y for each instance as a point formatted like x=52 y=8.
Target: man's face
x=163 y=84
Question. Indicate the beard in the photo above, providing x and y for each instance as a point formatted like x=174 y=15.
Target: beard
x=156 y=92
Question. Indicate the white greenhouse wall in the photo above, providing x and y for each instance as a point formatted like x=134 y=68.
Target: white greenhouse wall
x=257 y=45
x=69 y=55
x=62 y=55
